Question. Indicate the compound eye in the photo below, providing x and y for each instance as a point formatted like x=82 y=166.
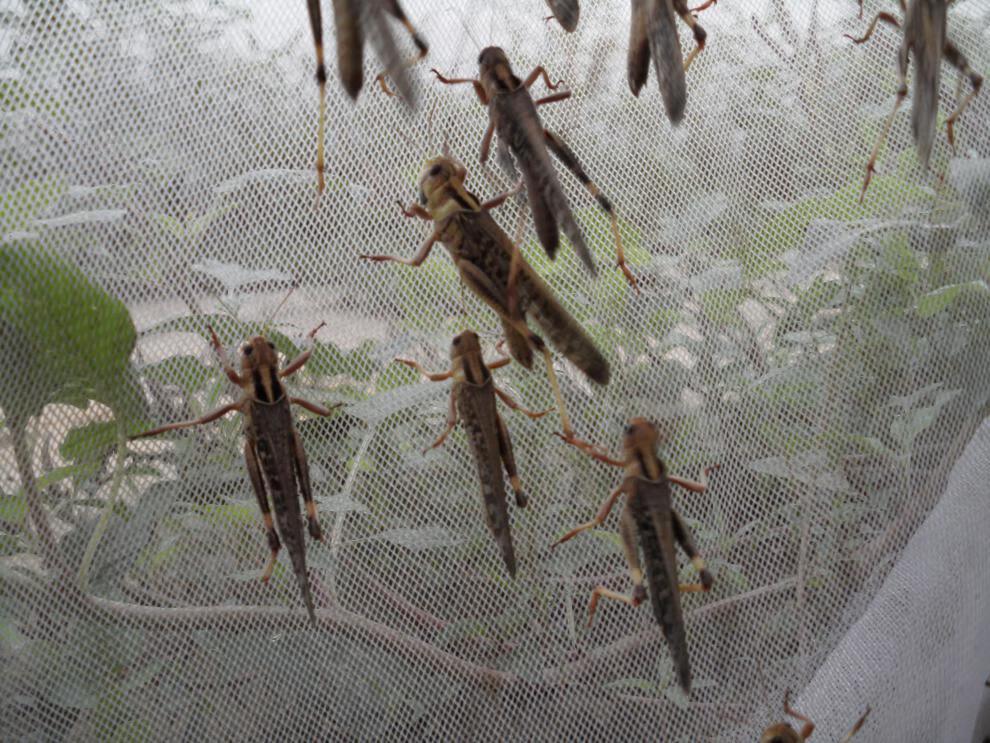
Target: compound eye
x=457 y=341
x=271 y=345
x=630 y=428
x=247 y=350
x=435 y=170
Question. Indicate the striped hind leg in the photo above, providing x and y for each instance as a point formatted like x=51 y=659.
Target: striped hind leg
x=254 y=472
x=570 y=161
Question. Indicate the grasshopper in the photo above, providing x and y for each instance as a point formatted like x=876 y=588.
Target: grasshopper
x=472 y=399
x=512 y=112
x=566 y=12
x=653 y=33
x=273 y=449
x=491 y=265
x=355 y=19
x=784 y=733
x=925 y=24
x=649 y=514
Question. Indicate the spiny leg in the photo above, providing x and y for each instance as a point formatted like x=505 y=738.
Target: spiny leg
x=254 y=472
x=954 y=57
x=451 y=421
x=680 y=6
x=536 y=74
x=554 y=98
x=316 y=22
x=479 y=90
x=497 y=201
x=695 y=486
x=313 y=407
x=299 y=361
x=433 y=377
x=592 y=450
x=704 y=6
x=885 y=17
x=421 y=255
x=305 y=487
x=228 y=368
x=415 y=210
x=627 y=531
x=809 y=726
x=902 y=90
x=207 y=418
x=534 y=414
x=856 y=726
x=684 y=537
x=509 y=461
x=423 y=48
x=570 y=161
x=599 y=518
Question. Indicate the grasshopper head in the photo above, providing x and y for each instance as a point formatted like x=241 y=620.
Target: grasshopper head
x=640 y=439
x=441 y=188
x=780 y=733
x=259 y=362
x=258 y=353
x=465 y=344
x=495 y=71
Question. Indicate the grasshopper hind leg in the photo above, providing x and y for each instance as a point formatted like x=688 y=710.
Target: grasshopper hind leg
x=254 y=472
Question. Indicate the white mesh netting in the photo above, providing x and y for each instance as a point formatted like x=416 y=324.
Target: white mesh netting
x=831 y=356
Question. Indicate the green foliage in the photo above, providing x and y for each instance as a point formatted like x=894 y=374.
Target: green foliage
x=69 y=339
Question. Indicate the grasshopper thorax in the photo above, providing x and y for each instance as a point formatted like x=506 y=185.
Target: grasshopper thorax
x=259 y=363
x=495 y=71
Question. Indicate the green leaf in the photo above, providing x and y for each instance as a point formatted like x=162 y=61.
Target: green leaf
x=187 y=372
x=88 y=446
x=19 y=207
x=945 y=296
x=70 y=338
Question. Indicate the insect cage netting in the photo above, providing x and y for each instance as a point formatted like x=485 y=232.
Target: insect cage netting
x=829 y=355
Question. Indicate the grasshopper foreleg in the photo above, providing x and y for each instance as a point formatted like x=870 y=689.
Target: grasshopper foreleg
x=479 y=90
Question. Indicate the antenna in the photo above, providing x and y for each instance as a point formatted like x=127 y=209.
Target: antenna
x=281 y=304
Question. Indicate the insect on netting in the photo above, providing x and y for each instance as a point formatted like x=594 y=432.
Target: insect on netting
x=829 y=355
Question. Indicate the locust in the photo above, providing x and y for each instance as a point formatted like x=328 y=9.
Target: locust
x=354 y=21
x=490 y=264
x=653 y=35
x=472 y=400
x=566 y=12
x=649 y=518
x=273 y=450
x=512 y=113
x=924 y=34
x=784 y=733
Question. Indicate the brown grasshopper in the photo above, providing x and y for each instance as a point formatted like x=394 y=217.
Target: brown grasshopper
x=355 y=19
x=653 y=33
x=472 y=399
x=273 y=449
x=784 y=733
x=491 y=265
x=925 y=24
x=566 y=12
x=512 y=112
x=650 y=515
